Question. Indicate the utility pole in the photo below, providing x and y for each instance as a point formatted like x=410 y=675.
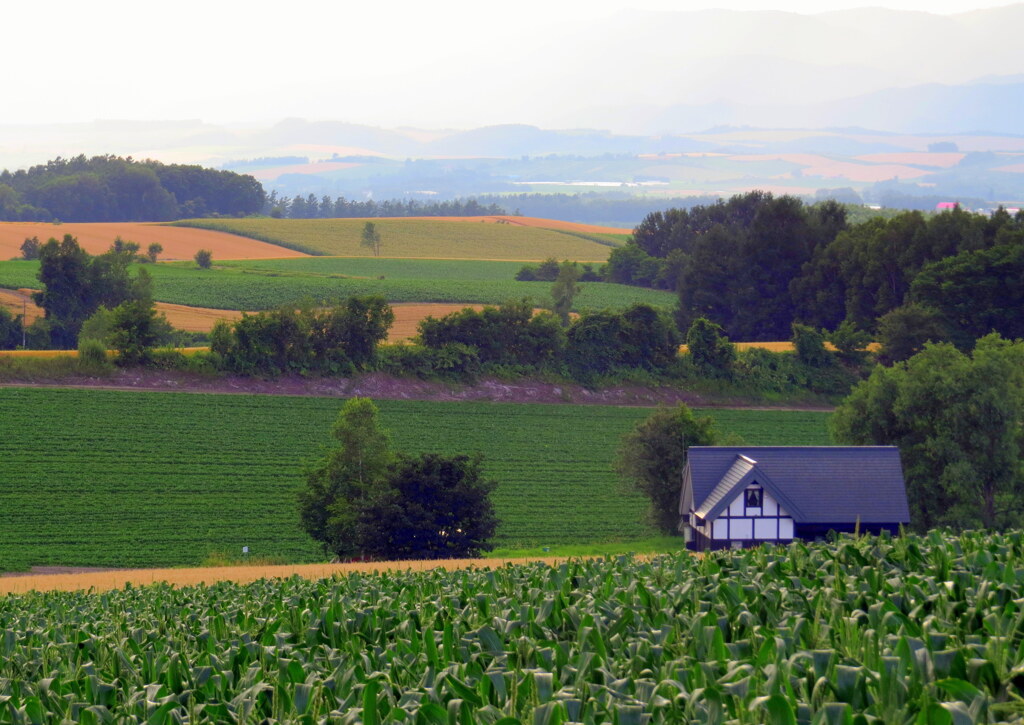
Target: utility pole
x=24 y=316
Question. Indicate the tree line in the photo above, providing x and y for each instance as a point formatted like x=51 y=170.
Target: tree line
x=112 y=189
x=324 y=207
x=755 y=264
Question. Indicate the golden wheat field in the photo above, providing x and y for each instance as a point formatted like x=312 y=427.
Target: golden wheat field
x=409 y=238
x=178 y=242
x=119 y=578
x=529 y=221
x=19 y=302
x=781 y=346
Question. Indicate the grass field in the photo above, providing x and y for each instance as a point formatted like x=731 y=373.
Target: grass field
x=178 y=242
x=159 y=479
x=429 y=238
x=237 y=288
x=864 y=631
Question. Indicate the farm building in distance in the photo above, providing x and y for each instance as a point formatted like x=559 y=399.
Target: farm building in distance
x=742 y=496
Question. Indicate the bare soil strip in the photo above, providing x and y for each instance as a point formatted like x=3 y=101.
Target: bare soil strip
x=202 y=319
x=384 y=387
x=118 y=578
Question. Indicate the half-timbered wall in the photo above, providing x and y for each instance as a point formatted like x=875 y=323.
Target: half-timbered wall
x=753 y=516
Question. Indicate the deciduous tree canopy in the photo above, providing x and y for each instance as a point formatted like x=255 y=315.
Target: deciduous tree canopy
x=958 y=420
x=110 y=188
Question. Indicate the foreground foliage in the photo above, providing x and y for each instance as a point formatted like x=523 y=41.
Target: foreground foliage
x=862 y=631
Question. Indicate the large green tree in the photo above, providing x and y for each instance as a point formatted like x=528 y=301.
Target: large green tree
x=564 y=290
x=651 y=459
x=76 y=284
x=362 y=500
x=338 y=483
x=430 y=507
x=958 y=420
x=370 y=238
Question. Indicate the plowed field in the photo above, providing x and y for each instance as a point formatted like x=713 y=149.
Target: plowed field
x=183 y=317
x=178 y=242
x=18 y=302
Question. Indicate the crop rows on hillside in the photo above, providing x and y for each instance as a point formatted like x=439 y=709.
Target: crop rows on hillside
x=231 y=288
x=863 y=631
x=428 y=238
x=153 y=479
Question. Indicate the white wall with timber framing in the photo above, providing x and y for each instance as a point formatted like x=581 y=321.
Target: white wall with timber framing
x=751 y=518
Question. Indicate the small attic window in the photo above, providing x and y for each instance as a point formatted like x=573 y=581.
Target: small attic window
x=754 y=497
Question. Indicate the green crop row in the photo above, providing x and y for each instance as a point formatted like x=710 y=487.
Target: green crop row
x=375 y=267
x=433 y=238
x=152 y=479
x=860 y=632
x=246 y=286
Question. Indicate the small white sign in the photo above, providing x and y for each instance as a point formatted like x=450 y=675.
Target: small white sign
x=245 y=549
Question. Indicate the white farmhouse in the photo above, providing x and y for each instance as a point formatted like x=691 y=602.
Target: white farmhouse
x=736 y=497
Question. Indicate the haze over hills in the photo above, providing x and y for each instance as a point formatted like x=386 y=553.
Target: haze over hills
x=842 y=84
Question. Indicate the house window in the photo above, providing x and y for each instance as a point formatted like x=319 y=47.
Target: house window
x=754 y=498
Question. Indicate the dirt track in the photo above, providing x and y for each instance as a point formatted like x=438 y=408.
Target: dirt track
x=385 y=387
x=118 y=578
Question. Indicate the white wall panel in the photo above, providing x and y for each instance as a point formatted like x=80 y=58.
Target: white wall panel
x=741 y=529
x=765 y=528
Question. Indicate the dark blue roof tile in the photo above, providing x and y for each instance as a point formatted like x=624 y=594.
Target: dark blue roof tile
x=830 y=484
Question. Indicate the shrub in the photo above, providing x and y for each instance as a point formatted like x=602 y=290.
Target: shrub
x=710 y=350
x=204 y=258
x=93 y=354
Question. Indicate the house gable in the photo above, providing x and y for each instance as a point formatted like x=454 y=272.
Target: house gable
x=743 y=473
x=751 y=516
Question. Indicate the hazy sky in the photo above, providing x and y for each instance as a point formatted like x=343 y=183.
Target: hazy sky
x=391 y=63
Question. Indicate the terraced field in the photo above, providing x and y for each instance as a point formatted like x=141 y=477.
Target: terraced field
x=246 y=287
x=161 y=479
x=421 y=238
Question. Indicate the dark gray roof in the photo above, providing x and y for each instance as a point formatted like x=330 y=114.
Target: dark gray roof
x=828 y=484
x=741 y=474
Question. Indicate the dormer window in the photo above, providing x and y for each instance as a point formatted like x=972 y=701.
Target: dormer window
x=754 y=497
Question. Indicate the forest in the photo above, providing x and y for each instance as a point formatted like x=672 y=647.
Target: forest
x=755 y=264
x=115 y=189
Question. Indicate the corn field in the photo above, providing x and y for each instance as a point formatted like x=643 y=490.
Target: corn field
x=910 y=630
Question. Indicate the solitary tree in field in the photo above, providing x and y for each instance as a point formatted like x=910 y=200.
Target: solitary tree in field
x=371 y=238
x=153 y=251
x=30 y=248
x=362 y=500
x=652 y=456
x=204 y=258
x=336 y=485
x=564 y=290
